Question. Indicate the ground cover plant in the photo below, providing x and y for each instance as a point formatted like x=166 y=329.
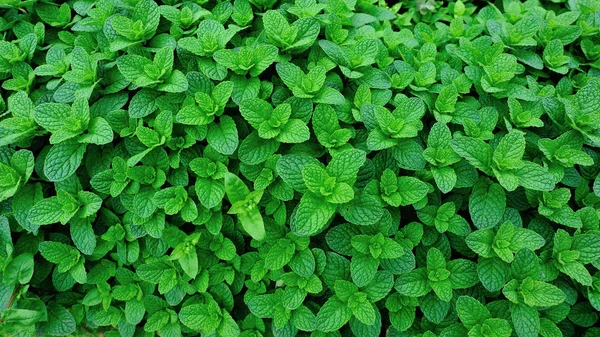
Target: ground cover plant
x=292 y=168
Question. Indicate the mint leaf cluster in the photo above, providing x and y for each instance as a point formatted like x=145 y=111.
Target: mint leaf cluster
x=309 y=168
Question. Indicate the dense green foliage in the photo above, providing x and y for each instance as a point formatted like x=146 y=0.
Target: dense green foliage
x=287 y=168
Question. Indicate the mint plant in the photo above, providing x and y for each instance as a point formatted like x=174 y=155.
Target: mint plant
x=300 y=168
